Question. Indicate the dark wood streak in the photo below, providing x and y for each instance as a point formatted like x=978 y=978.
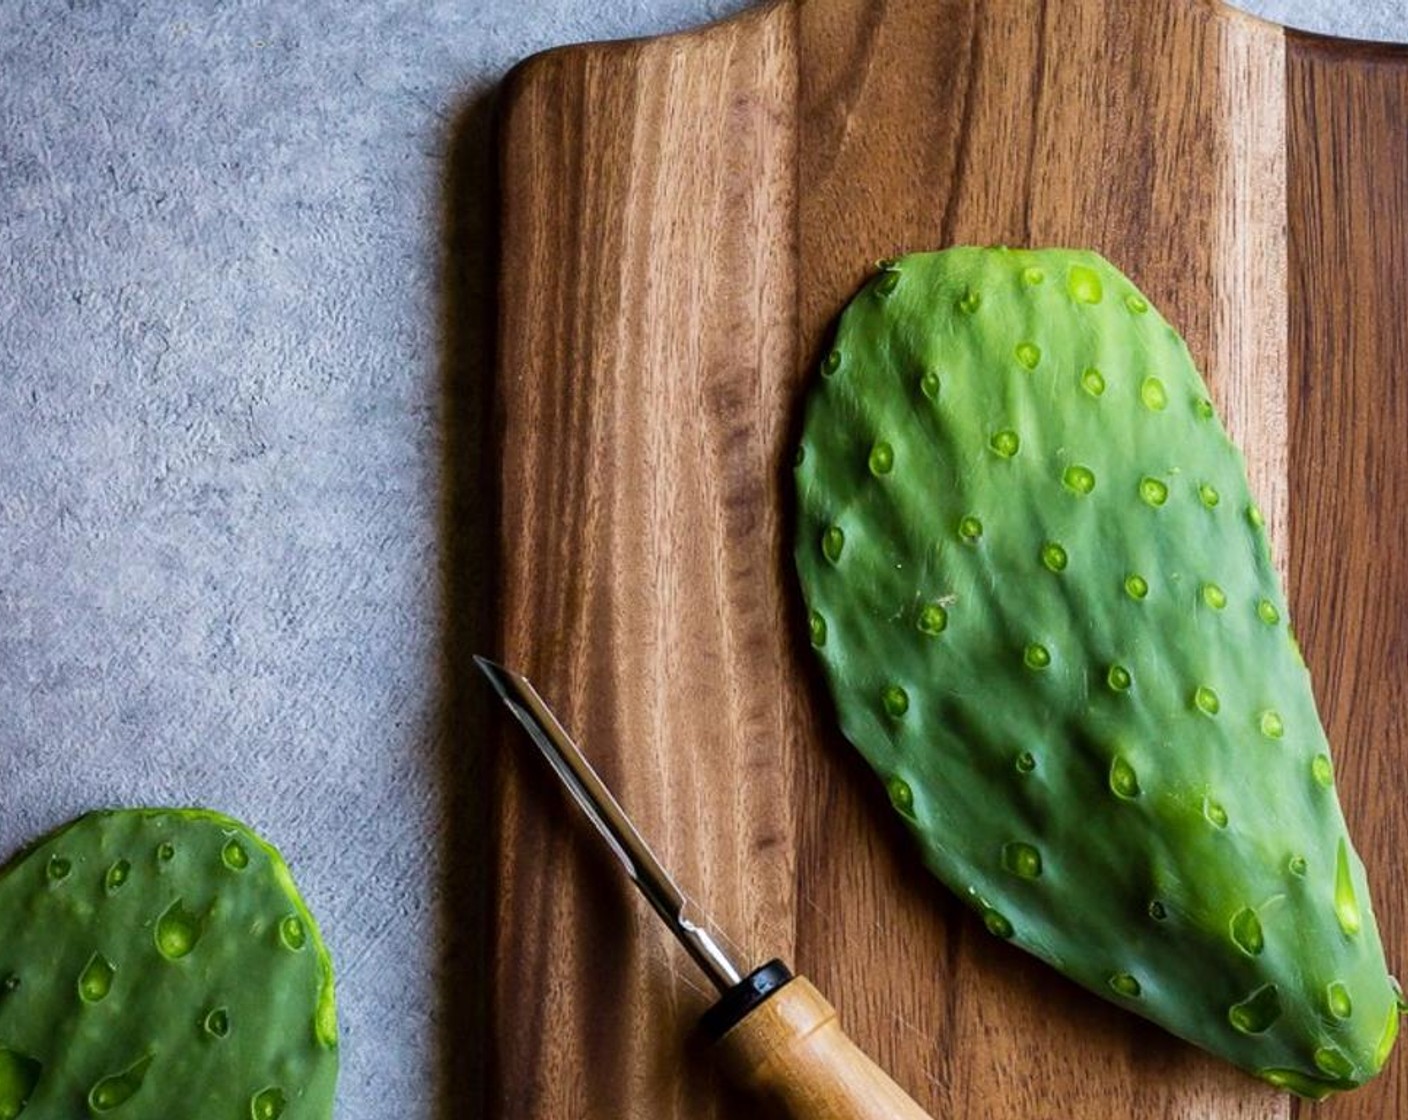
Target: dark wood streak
x=963 y=162
x=1039 y=71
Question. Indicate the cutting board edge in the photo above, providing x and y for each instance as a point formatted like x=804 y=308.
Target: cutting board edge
x=526 y=71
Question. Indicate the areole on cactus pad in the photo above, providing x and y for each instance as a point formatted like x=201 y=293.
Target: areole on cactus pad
x=160 y=962
x=1045 y=604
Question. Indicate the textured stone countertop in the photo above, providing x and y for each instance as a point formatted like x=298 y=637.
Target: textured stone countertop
x=238 y=449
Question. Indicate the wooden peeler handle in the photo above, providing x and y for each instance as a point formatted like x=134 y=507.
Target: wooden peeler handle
x=780 y=1039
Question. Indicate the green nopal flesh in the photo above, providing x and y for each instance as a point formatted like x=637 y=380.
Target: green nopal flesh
x=161 y=963
x=1046 y=608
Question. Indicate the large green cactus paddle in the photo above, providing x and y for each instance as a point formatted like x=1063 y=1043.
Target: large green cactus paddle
x=1046 y=608
x=160 y=963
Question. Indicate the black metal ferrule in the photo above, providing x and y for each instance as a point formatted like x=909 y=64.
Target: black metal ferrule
x=743 y=999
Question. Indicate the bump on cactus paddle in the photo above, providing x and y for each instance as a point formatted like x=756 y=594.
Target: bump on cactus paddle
x=161 y=963
x=1046 y=608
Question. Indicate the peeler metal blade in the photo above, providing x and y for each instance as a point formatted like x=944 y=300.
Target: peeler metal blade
x=621 y=836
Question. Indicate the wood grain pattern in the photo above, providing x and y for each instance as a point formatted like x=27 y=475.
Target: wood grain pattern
x=682 y=220
x=650 y=275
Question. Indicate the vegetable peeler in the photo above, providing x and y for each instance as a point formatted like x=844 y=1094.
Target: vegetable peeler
x=777 y=1036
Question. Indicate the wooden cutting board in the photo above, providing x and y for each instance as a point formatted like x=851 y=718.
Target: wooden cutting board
x=682 y=220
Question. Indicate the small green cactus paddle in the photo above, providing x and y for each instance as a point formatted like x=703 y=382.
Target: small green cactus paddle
x=1046 y=608
x=161 y=963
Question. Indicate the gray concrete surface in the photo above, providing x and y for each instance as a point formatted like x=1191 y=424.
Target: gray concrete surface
x=245 y=253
